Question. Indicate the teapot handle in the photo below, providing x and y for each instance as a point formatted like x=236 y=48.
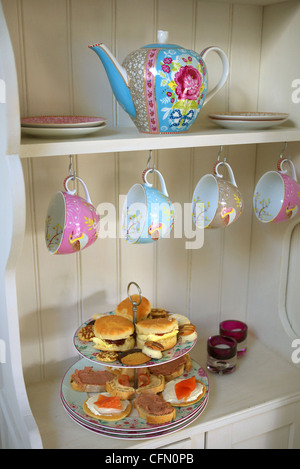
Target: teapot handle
x=225 y=73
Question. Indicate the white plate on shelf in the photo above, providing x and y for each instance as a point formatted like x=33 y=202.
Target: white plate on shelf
x=248 y=120
x=62 y=121
x=61 y=132
x=87 y=350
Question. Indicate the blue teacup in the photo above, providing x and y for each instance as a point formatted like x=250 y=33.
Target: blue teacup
x=148 y=214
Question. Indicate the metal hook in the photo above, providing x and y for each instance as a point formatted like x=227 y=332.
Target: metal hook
x=71 y=167
x=135 y=304
x=283 y=150
x=219 y=154
x=149 y=159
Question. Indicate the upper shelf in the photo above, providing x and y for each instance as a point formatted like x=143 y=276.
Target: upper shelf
x=129 y=139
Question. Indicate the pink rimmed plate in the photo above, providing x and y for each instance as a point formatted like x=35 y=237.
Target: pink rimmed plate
x=73 y=402
x=138 y=435
x=248 y=120
x=61 y=132
x=62 y=121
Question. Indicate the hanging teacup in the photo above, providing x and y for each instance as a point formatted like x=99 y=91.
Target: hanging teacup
x=148 y=214
x=277 y=195
x=216 y=202
x=72 y=223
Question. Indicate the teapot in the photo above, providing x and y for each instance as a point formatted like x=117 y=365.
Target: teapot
x=161 y=86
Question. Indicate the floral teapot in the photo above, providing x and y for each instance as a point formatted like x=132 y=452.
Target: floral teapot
x=161 y=86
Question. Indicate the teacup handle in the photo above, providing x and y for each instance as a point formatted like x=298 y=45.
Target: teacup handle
x=231 y=175
x=225 y=73
x=293 y=170
x=161 y=179
x=72 y=192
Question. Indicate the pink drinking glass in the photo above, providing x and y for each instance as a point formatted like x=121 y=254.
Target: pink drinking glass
x=237 y=330
x=221 y=354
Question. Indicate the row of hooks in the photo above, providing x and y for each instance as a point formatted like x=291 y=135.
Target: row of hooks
x=281 y=153
x=72 y=171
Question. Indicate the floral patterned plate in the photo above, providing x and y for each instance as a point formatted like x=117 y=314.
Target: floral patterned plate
x=138 y=435
x=61 y=132
x=87 y=350
x=62 y=121
x=248 y=120
x=73 y=402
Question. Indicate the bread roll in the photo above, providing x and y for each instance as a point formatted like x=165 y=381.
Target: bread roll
x=124 y=309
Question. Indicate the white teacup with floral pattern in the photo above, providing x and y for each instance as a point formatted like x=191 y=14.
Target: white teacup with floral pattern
x=216 y=202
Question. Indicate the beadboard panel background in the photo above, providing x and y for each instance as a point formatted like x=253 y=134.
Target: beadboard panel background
x=58 y=74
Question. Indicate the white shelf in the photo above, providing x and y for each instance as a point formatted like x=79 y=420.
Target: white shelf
x=262 y=381
x=129 y=139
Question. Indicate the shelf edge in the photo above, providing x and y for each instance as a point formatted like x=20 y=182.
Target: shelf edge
x=130 y=140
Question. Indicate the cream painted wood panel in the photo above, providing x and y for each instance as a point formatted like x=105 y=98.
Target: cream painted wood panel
x=90 y=23
x=218 y=35
x=172 y=261
x=273 y=429
x=245 y=57
x=267 y=285
x=219 y=272
x=236 y=247
x=292 y=290
x=47 y=66
x=99 y=265
x=136 y=261
x=58 y=74
x=268 y=245
x=279 y=54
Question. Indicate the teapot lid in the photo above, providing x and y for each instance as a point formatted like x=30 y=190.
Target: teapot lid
x=162 y=37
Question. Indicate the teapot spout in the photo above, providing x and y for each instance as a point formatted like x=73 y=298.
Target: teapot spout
x=118 y=78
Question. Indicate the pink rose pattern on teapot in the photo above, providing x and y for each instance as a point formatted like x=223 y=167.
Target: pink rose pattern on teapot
x=174 y=91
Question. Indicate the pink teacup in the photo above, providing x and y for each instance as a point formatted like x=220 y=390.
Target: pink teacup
x=277 y=195
x=72 y=223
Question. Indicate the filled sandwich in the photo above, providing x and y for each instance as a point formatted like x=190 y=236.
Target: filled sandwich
x=123 y=384
x=172 y=369
x=90 y=380
x=113 y=333
x=154 y=409
x=106 y=407
x=161 y=330
x=183 y=392
x=187 y=333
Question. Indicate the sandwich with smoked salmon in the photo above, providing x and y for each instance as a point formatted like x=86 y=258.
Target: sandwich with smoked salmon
x=183 y=392
x=106 y=407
